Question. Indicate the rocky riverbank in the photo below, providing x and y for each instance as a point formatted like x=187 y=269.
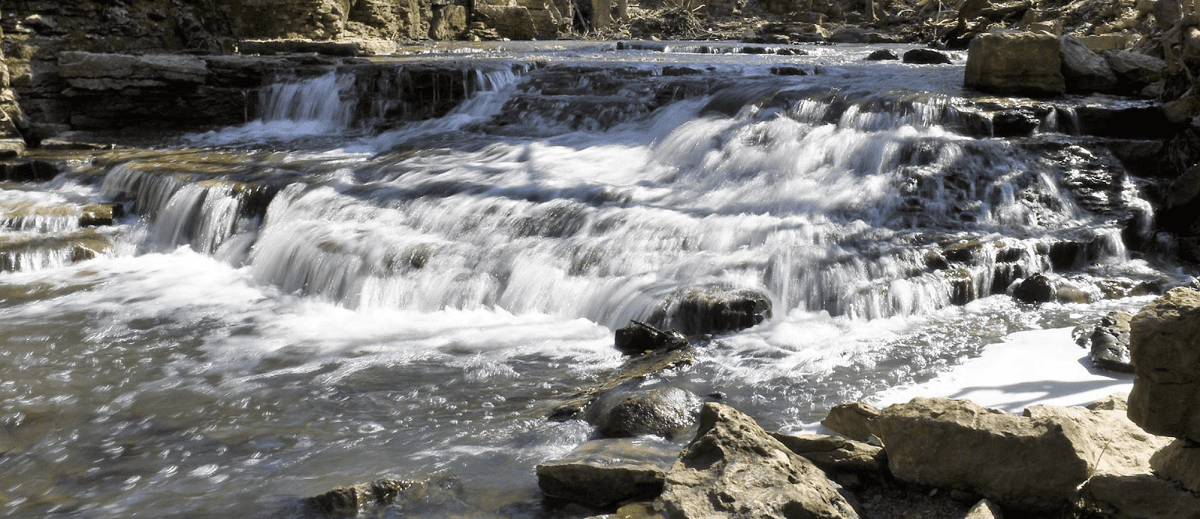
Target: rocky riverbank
x=1125 y=456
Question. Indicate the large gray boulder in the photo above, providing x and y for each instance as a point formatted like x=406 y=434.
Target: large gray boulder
x=1024 y=463
x=1015 y=63
x=1164 y=343
x=601 y=473
x=733 y=468
x=1083 y=70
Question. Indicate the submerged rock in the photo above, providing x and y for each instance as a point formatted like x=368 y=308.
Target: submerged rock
x=1164 y=344
x=733 y=468
x=390 y=497
x=602 y=473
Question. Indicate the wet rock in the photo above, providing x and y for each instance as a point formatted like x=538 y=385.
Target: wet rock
x=601 y=473
x=1083 y=70
x=1179 y=462
x=1135 y=497
x=1108 y=342
x=1034 y=290
x=1127 y=121
x=788 y=71
x=852 y=420
x=734 y=468
x=926 y=57
x=1014 y=123
x=882 y=55
x=640 y=337
x=712 y=309
x=93 y=215
x=636 y=368
x=837 y=455
x=28 y=171
x=1015 y=63
x=1164 y=344
x=1028 y=464
x=445 y=495
x=665 y=412
x=1134 y=70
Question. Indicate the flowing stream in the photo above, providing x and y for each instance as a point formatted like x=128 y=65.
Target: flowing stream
x=315 y=299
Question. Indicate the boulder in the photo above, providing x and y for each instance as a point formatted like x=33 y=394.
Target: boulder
x=1108 y=342
x=833 y=454
x=1083 y=70
x=1179 y=462
x=1164 y=345
x=1134 y=70
x=1106 y=440
x=91 y=71
x=640 y=337
x=926 y=57
x=1015 y=63
x=852 y=420
x=733 y=468
x=1135 y=497
x=664 y=411
x=602 y=473
x=1028 y=464
x=882 y=55
x=712 y=309
x=1035 y=289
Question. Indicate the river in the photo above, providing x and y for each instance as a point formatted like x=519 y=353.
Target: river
x=409 y=300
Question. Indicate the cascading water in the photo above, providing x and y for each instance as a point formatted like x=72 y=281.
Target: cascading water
x=334 y=293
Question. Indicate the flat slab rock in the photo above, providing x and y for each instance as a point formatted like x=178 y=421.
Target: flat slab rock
x=600 y=473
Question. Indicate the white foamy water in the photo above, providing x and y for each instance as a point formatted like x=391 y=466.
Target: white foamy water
x=312 y=299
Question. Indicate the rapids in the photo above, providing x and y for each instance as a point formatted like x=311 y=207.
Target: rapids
x=315 y=299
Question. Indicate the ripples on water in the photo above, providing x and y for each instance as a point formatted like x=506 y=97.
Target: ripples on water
x=413 y=302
